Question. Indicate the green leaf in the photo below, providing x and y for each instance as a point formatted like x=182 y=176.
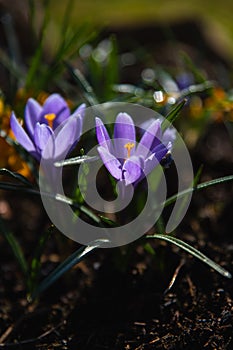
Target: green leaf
x=199 y=187
x=66 y=265
x=108 y=221
x=19 y=177
x=16 y=249
x=173 y=114
x=76 y=160
x=81 y=81
x=111 y=70
x=199 y=77
x=9 y=186
x=18 y=188
x=36 y=63
x=194 y=89
x=183 y=202
x=160 y=227
x=194 y=252
x=10 y=65
x=197 y=176
x=36 y=260
x=149 y=249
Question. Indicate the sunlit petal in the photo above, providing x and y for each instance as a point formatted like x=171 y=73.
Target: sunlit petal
x=32 y=115
x=102 y=135
x=55 y=104
x=124 y=133
x=41 y=136
x=133 y=169
x=68 y=135
x=111 y=162
x=21 y=135
x=149 y=138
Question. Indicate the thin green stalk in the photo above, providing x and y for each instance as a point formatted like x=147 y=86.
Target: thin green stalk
x=193 y=251
x=66 y=265
x=15 y=247
x=201 y=186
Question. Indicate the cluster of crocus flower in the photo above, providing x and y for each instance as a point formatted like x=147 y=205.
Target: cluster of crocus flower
x=41 y=122
x=126 y=160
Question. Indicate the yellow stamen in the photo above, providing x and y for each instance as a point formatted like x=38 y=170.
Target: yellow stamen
x=50 y=118
x=129 y=146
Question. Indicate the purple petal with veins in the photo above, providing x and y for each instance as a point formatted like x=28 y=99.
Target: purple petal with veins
x=21 y=135
x=55 y=104
x=102 y=135
x=124 y=132
x=111 y=162
x=32 y=115
x=133 y=169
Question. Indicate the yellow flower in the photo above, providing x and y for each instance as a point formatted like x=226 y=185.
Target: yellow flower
x=9 y=158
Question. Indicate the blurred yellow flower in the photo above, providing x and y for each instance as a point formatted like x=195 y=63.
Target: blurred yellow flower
x=9 y=158
x=220 y=105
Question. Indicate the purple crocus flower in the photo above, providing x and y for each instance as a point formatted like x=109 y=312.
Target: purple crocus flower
x=41 y=122
x=125 y=160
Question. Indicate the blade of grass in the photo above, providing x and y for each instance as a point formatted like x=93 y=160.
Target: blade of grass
x=14 y=175
x=173 y=114
x=36 y=260
x=7 y=62
x=194 y=89
x=199 y=187
x=66 y=200
x=15 y=247
x=66 y=265
x=76 y=160
x=37 y=58
x=81 y=81
x=111 y=70
x=183 y=202
x=199 y=76
x=194 y=252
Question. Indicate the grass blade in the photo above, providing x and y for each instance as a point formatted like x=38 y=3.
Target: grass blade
x=199 y=187
x=15 y=247
x=76 y=160
x=194 y=252
x=81 y=81
x=36 y=260
x=173 y=114
x=66 y=265
x=14 y=175
x=37 y=58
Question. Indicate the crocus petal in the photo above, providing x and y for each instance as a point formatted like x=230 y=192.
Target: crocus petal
x=124 y=132
x=169 y=136
x=41 y=136
x=21 y=135
x=68 y=135
x=32 y=115
x=158 y=139
x=150 y=163
x=124 y=127
x=102 y=135
x=133 y=169
x=55 y=104
x=155 y=158
x=112 y=163
x=80 y=111
x=148 y=138
x=160 y=151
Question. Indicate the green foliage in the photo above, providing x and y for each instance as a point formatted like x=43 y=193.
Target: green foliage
x=15 y=247
x=194 y=252
x=97 y=79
